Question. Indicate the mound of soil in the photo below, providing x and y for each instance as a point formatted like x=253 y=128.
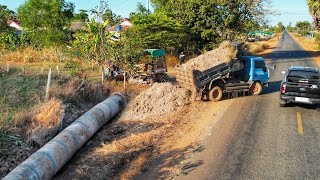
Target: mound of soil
x=159 y=99
x=224 y=54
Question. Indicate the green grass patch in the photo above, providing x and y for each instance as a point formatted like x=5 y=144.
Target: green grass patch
x=18 y=93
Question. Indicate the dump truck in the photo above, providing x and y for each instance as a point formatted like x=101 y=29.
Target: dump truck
x=243 y=76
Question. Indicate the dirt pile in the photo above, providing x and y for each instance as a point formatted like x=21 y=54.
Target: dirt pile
x=159 y=99
x=225 y=53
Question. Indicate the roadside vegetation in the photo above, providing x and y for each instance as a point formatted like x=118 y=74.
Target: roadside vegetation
x=77 y=57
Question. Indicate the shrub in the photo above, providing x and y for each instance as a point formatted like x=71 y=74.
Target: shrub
x=73 y=67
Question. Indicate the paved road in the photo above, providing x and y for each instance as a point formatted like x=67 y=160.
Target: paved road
x=256 y=139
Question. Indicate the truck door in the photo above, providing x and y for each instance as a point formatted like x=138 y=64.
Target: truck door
x=260 y=71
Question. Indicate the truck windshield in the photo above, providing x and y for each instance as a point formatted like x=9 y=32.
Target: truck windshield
x=260 y=64
x=296 y=76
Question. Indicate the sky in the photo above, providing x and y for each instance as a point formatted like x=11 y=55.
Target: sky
x=285 y=11
x=289 y=11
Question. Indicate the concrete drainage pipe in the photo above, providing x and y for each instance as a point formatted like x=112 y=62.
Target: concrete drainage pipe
x=48 y=160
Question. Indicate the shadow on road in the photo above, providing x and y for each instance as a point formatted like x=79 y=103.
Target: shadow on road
x=292 y=55
x=274 y=86
x=305 y=106
x=173 y=163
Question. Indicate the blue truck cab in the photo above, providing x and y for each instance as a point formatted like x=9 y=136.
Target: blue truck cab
x=255 y=70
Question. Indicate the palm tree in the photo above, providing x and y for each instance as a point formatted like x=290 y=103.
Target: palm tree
x=314 y=8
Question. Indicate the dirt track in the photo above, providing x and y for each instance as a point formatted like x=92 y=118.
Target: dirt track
x=125 y=149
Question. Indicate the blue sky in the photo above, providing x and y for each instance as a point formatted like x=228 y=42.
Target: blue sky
x=290 y=11
x=286 y=10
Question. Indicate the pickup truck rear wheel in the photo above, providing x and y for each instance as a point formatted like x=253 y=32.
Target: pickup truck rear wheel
x=256 y=88
x=215 y=94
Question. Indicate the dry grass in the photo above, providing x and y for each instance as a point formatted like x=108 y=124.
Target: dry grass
x=29 y=55
x=134 y=168
x=172 y=60
x=48 y=114
x=309 y=45
x=131 y=143
x=262 y=47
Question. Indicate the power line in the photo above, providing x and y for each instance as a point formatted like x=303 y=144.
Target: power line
x=295 y=13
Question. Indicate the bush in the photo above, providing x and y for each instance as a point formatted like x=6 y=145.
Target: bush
x=73 y=67
x=317 y=39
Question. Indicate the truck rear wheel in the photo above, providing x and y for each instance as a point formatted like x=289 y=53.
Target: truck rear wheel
x=215 y=94
x=256 y=88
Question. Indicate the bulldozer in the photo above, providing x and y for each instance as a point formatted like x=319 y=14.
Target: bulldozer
x=153 y=69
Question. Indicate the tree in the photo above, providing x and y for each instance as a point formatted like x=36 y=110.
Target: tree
x=111 y=17
x=5 y=15
x=46 y=21
x=210 y=22
x=93 y=43
x=8 y=38
x=157 y=31
x=303 y=27
x=126 y=52
x=280 y=28
x=314 y=9
x=81 y=16
x=104 y=13
x=289 y=27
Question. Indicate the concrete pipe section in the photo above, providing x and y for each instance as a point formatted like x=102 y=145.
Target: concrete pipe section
x=48 y=160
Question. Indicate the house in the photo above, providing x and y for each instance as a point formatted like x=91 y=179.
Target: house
x=78 y=26
x=15 y=24
x=121 y=26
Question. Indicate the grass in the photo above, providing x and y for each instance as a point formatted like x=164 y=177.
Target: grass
x=18 y=94
x=309 y=45
x=262 y=47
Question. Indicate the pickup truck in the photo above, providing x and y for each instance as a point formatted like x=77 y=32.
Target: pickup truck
x=300 y=85
x=246 y=75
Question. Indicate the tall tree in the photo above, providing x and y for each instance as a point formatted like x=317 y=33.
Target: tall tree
x=104 y=13
x=303 y=27
x=5 y=15
x=314 y=9
x=46 y=20
x=210 y=22
x=82 y=16
x=157 y=31
x=111 y=17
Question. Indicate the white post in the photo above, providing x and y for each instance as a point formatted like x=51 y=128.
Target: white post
x=124 y=81
x=102 y=73
x=48 y=83
x=58 y=70
x=8 y=67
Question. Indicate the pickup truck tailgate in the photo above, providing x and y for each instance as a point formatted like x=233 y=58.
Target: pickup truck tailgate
x=303 y=90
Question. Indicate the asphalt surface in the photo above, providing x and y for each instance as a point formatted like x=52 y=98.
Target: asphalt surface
x=256 y=139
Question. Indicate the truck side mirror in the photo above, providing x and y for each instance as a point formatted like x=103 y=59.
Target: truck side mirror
x=283 y=72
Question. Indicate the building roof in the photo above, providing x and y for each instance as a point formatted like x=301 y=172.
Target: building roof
x=125 y=24
x=15 y=24
x=76 y=26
